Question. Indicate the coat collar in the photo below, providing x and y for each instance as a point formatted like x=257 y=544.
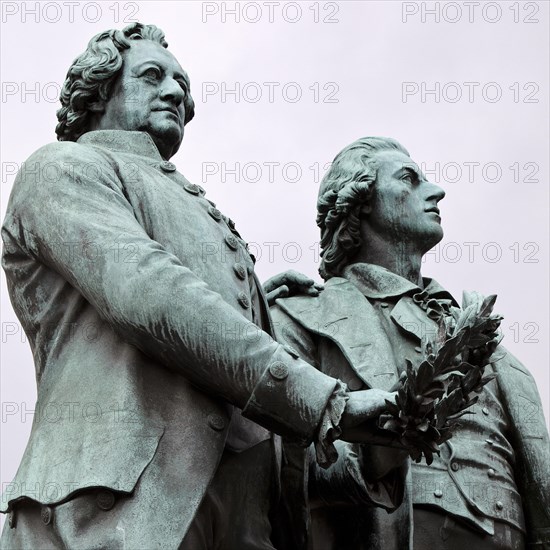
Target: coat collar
x=123 y=141
x=342 y=314
x=377 y=282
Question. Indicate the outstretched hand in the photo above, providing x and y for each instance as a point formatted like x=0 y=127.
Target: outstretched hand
x=290 y=283
x=359 y=423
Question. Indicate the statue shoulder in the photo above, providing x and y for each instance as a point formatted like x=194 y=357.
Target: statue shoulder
x=61 y=157
x=502 y=360
x=60 y=164
x=338 y=294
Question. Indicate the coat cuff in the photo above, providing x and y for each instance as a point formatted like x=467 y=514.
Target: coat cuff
x=345 y=483
x=329 y=429
x=290 y=398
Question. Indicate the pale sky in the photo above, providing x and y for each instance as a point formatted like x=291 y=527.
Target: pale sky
x=280 y=91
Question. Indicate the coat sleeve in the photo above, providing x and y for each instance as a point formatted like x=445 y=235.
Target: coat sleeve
x=156 y=304
x=350 y=480
x=530 y=440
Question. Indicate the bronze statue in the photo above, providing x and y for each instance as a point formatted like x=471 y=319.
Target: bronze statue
x=107 y=270
x=490 y=486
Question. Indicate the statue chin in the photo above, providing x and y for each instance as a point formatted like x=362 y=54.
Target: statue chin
x=168 y=139
x=431 y=239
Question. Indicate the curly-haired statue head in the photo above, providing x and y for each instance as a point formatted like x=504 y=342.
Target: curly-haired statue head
x=102 y=72
x=346 y=187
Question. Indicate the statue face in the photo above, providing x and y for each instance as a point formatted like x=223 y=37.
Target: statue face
x=148 y=96
x=404 y=204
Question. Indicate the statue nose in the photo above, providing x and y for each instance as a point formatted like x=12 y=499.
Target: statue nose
x=435 y=193
x=172 y=91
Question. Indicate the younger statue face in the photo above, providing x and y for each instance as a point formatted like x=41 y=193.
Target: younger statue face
x=148 y=96
x=403 y=207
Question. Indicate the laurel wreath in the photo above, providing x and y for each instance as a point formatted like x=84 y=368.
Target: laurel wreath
x=431 y=399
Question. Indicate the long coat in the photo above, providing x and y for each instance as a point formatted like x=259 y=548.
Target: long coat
x=341 y=333
x=336 y=333
x=135 y=294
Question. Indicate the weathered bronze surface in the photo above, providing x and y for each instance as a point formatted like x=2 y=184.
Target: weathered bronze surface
x=490 y=486
x=179 y=341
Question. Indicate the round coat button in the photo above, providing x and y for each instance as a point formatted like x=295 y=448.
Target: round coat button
x=438 y=493
x=485 y=411
x=491 y=472
x=243 y=300
x=215 y=213
x=384 y=304
x=454 y=466
x=192 y=188
x=105 y=500
x=278 y=370
x=167 y=166
x=231 y=241
x=46 y=514
x=499 y=505
x=418 y=349
x=240 y=271
x=216 y=422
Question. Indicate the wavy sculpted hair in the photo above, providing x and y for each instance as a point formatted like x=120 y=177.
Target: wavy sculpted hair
x=91 y=77
x=346 y=187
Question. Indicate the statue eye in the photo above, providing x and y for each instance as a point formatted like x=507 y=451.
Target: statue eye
x=409 y=177
x=183 y=86
x=153 y=73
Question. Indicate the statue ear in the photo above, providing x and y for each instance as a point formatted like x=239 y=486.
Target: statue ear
x=97 y=107
x=366 y=209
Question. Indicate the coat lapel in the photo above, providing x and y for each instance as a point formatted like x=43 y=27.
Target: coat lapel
x=413 y=320
x=342 y=314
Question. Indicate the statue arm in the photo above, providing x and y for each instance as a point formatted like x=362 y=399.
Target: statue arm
x=529 y=437
x=362 y=474
x=156 y=304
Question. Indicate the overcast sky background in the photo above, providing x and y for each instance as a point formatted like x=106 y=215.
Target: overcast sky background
x=361 y=69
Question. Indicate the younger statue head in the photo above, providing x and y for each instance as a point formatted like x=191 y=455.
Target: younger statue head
x=373 y=189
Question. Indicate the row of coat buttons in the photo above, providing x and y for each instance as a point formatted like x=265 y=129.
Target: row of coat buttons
x=167 y=166
x=455 y=467
x=498 y=504
x=105 y=500
x=239 y=269
x=230 y=239
x=232 y=242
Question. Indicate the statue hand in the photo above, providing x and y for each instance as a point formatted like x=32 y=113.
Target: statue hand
x=290 y=283
x=359 y=422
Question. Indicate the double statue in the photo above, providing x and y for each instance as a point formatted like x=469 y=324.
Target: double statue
x=329 y=421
